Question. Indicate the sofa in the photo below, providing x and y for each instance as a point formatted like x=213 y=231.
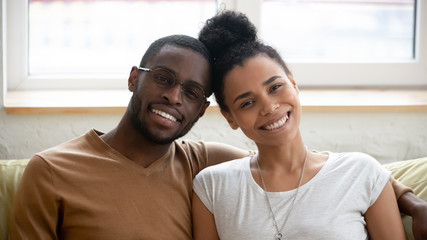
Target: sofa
x=412 y=173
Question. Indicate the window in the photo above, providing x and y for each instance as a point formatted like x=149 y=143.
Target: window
x=347 y=43
x=346 y=30
x=85 y=44
x=92 y=43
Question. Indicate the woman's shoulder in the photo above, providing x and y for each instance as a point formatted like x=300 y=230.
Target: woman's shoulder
x=355 y=156
x=359 y=157
x=356 y=167
x=354 y=160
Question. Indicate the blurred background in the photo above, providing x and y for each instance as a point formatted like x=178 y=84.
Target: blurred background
x=85 y=45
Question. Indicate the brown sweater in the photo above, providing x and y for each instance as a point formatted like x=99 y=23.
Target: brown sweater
x=83 y=189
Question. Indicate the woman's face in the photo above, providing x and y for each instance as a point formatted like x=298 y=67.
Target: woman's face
x=262 y=101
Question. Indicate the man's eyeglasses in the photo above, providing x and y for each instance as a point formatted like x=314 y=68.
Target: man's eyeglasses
x=165 y=79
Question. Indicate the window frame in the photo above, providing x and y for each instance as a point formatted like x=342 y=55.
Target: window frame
x=408 y=74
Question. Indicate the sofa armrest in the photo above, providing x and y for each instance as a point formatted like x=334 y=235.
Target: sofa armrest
x=10 y=175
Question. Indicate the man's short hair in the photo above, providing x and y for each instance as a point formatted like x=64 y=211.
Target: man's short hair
x=178 y=41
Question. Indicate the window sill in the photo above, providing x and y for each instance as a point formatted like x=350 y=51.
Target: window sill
x=116 y=101
x=66 y=102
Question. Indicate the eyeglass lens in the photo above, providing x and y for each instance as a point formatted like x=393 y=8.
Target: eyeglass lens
x=166 y=79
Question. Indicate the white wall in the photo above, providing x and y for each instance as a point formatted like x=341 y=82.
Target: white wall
x=386 y=136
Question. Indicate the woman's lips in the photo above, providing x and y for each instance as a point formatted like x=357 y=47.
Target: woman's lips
x=279 y=123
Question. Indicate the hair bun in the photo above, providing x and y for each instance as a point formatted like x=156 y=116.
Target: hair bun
x=226 y=30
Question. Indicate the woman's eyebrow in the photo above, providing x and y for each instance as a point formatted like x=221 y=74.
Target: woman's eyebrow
x=243 y=95
x=270 y=80
x=246 y=94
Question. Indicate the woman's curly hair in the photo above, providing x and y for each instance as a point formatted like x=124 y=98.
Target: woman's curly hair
x=231 y=39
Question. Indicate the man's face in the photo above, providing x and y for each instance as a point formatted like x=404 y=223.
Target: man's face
x=164 y=114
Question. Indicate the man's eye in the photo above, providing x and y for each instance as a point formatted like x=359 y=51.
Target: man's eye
x=163 y=80
x=191 y=93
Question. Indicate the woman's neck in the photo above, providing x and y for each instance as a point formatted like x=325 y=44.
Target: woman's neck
x=285 y=157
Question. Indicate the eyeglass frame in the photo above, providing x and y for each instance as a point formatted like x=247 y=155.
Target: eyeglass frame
x=181 y=84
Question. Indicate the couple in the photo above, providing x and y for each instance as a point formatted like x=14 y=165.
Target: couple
x=135 y=182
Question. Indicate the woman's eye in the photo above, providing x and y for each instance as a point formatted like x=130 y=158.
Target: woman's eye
x=275 y=87
x=246 y=104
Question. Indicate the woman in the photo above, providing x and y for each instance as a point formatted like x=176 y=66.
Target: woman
x=285 y=191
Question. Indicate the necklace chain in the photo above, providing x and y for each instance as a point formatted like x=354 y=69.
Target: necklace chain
x=279 y=234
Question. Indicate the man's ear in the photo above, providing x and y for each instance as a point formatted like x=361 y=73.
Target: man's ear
x=133 y=78
x=203 y=110
x=230 y=120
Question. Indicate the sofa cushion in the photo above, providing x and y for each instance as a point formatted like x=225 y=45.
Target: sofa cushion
x=10 y=175
x=412 y=173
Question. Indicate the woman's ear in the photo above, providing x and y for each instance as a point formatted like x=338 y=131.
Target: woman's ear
x=133 y=79
x=230 y=120
x=291 y=78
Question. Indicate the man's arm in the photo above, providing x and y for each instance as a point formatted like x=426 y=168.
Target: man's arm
x=399 y=188
x=415 y=207
x=203 y=221
x=221 y=152
x=35 y=207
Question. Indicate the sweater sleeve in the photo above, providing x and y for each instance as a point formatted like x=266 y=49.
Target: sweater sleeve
x=399 y=188
x=220 y=152
x=35 y=211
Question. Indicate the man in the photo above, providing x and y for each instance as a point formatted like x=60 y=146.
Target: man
x=134 y=182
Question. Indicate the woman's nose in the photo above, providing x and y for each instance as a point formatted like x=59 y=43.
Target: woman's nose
x=269 y=107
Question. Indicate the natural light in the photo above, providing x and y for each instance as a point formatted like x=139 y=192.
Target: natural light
x=80 y=44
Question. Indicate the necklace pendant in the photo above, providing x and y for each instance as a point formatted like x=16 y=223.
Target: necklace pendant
x=279 y=236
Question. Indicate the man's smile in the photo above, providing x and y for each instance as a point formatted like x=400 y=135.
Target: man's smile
x=164 y=114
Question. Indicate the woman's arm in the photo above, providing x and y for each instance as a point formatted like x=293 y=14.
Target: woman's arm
x=204 y=227
x=383 y=218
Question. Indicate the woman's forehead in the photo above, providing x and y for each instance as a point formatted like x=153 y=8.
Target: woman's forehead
x=259 y=67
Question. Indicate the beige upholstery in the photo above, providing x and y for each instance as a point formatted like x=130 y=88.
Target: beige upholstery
x=10 y=174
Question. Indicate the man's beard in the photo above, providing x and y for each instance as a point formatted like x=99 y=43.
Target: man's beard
x=145 y=131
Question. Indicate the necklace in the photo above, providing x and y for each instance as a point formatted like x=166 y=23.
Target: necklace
x=279 y=234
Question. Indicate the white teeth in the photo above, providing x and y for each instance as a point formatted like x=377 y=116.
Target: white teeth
x=277 y=124
x=163 y=114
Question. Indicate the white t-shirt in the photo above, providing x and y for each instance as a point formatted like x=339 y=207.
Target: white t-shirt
x=330 y=206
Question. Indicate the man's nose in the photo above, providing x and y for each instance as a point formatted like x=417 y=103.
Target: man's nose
x=174 y=95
